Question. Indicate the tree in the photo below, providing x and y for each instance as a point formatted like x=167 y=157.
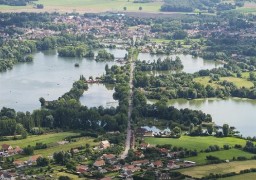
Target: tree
x=125 y=8
x=177 y=130
x=140 y=8
x=41 y=161
x=64 y=178
x=210 y=128
x=42 y=101
x=191 y=128
x=29 y=150
x=225 y=130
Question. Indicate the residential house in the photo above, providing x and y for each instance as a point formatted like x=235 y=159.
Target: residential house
x=172 y=165
x=81 y=169
x=140 y=162
x=139 y=154
x=158 y=164
x=6 y=147
x=131 y=168
x=144 y=145
x=104 y=144
x=140 y=132
x=188 y=163
x=18 y=150
x=18 y=163
x=33 y=159
x=149 y=134
x=99 y=163
x=110 y=158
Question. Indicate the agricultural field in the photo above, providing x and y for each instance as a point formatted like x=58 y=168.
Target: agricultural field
x=241 y=177
x=198 y=143
x=223 y=155
x=239 y=82
x=249 y=7
x=223 y=168
x=83 y=6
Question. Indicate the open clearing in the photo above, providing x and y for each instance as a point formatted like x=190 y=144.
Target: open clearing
x=201 y=171
x=45 y=139
x=198 y=143
x=223 y=155
x=83 y=6
x=239 y=82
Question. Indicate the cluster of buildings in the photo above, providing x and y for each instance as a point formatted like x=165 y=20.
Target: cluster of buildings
x=8 y=150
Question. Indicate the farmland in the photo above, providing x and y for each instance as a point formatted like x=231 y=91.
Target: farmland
x=198 y=143
x=223 y=155
x=83 y=6
x=201 y=171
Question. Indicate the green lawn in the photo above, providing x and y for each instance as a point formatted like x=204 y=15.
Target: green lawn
x=239 y=82
x=201 y=171
x=90 y=6
x=198 y=143
x=46 y=139
x=242 y=177
x=223 y=155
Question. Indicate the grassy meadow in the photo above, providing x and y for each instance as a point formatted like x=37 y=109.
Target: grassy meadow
x=52 y=142
x=83 y=6
x=236 y=166
x=45 y=139
x=223 y=155
x=239 y=82
x=198 y=143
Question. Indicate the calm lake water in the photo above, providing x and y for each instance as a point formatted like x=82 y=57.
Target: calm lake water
x=99 y=95
x=190 y=63
x=48 y=76
x=240 y=113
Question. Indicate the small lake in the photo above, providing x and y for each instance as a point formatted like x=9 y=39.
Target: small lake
x=240 y=113
x=191 y=64
x=48 y=76
x=99 y=95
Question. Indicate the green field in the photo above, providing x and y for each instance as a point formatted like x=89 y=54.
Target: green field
x=242 y=177
x=198 y=143
x=66 y=147
x=239 y=82
x=52 y=142
x=236 y=166
x=223 y=155
x=46 y=139
x=83 y=6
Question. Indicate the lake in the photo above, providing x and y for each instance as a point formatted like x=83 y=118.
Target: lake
x=99 y=95
x=240 y=113
x=48 y=76
x=191 y=64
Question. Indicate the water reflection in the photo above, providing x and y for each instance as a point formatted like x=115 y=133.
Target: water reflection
x=190 y=63
x=48 y=76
